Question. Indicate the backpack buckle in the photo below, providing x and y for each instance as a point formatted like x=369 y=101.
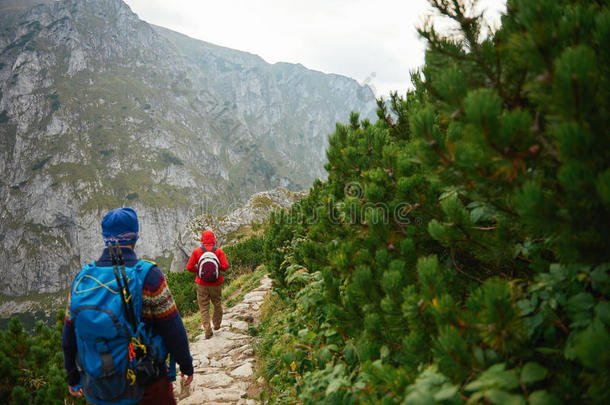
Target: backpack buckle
x=131 y=376
x=136 y=349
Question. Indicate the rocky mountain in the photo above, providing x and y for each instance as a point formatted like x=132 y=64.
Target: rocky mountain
x=229 y=229
x=99 y=109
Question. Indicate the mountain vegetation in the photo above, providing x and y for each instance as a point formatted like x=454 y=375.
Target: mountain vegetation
x=100 y=109
x=458 y=251
x=32 y=366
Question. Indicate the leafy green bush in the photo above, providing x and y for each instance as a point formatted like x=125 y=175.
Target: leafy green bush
x=245 y=256
x=31 y=367
x=183 y=288
x=458 y=251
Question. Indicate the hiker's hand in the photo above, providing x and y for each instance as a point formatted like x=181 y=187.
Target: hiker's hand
x=187 y=379
x=75 y=393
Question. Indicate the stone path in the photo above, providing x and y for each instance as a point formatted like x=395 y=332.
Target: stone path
x=224 y=364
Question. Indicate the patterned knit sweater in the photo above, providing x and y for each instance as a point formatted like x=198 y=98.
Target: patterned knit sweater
x=159 y=312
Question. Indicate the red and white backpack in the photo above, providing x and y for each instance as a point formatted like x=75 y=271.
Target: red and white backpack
x=208 y=266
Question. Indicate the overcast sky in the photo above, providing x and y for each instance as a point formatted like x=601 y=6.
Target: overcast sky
x=372 y=42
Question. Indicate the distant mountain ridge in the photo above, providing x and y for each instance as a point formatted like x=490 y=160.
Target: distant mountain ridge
x=99 y=109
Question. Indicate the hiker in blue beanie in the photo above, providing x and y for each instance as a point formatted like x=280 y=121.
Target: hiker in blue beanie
x=121 y=225
x=121 y=322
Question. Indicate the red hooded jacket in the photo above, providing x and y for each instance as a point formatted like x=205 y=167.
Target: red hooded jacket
x=208 y=240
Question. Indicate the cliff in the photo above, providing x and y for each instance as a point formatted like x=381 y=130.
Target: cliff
x=99 y=109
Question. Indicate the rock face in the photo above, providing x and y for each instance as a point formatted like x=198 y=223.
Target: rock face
x=99 y=109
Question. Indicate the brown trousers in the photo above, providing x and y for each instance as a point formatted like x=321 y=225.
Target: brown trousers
x=205 y=294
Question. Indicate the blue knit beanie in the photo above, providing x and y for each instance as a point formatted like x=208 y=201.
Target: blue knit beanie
x=121 y=225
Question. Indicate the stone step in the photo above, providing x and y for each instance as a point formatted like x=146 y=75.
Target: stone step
x=224 y=364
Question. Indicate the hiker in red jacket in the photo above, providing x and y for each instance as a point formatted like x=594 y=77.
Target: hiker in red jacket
x=208 y=290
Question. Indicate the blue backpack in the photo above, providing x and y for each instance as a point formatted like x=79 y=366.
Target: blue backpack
x=117 y=356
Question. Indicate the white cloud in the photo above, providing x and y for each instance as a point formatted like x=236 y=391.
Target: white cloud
x=350 y=37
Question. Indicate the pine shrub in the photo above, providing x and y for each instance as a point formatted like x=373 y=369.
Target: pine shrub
x=458 y=251
x=246 y=255
x=184 y=290
x=31 y=366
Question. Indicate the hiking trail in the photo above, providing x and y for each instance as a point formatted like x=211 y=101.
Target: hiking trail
x=224 y=364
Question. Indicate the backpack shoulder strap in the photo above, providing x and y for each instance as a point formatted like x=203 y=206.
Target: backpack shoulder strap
x=143 y=267
x=86 y=267
x=213 y=249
